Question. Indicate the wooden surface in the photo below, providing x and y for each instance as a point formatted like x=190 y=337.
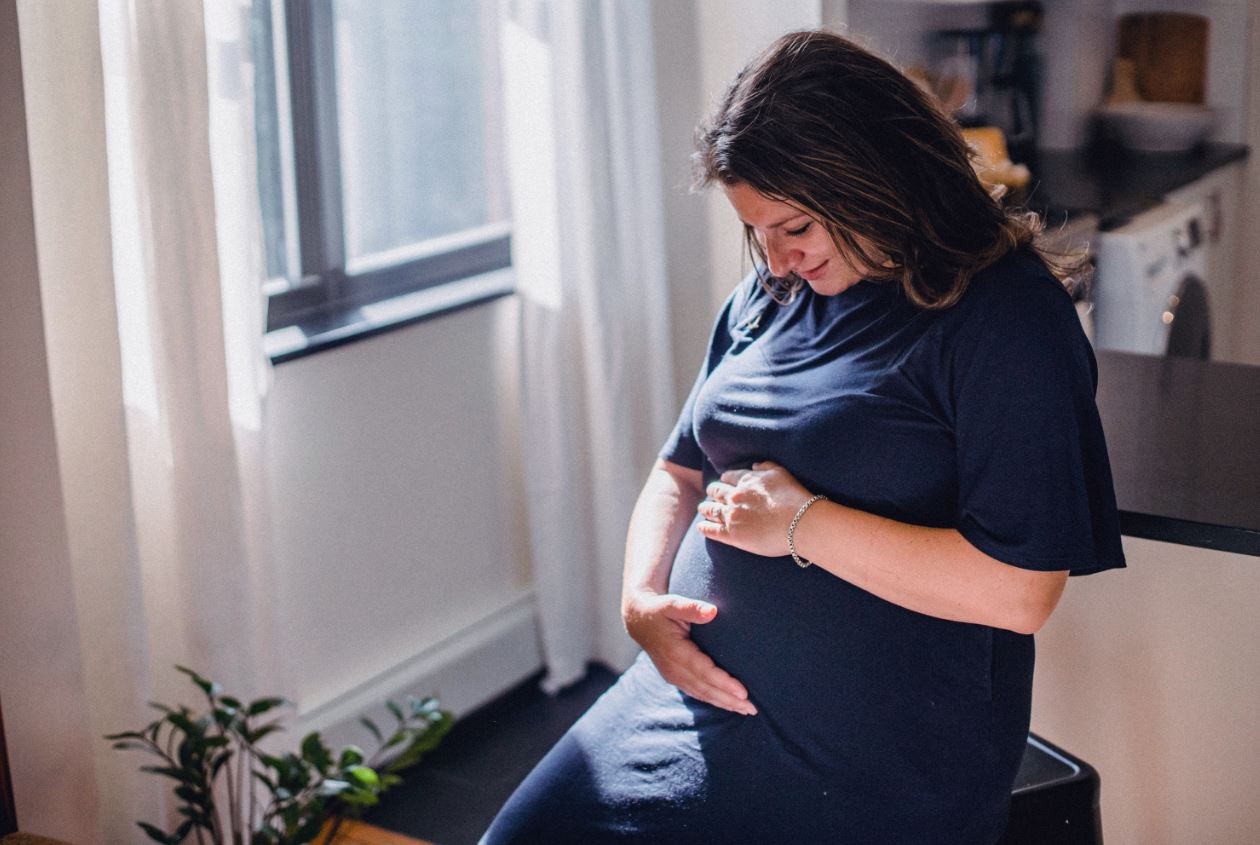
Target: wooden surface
x=361 y=833
x=1169 y=51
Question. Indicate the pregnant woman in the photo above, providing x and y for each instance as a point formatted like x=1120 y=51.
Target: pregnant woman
x=889 y=465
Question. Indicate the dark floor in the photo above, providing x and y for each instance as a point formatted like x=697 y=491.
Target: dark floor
x=453 y=794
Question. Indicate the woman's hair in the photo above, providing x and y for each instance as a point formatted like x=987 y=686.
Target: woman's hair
x=822 y=124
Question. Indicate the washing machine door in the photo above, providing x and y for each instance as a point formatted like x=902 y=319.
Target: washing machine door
x=1189 y=320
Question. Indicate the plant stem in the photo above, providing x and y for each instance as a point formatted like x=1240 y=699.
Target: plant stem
x=332 y=831
x=242 y=772
x=231 y=797
x=253 y=789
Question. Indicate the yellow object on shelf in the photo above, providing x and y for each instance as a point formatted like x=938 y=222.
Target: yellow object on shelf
x=992 y=162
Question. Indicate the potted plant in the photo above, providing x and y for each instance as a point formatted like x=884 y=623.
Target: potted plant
x=231 y=792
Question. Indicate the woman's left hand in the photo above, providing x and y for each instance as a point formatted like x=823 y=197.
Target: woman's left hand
x=752 y=509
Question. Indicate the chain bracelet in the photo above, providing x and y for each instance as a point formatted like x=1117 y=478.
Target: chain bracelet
x=800 y=561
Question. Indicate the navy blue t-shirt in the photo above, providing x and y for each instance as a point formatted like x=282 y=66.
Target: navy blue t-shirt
x=876 y=723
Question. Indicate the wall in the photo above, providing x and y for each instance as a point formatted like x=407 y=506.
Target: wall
x=1150 y=675
x=1247 y=289
x=398 y=532
x=730 y=34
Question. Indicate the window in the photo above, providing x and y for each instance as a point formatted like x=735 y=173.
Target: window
x=381 y=162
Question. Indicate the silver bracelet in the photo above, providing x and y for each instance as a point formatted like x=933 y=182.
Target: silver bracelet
x=800 y=561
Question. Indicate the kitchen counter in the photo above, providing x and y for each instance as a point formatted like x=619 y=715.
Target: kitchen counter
x=1115 y=184
x=1183 y=436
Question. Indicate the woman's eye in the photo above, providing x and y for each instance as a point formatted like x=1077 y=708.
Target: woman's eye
x=795 y=232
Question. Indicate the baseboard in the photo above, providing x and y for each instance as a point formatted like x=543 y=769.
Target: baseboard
x=465 y=670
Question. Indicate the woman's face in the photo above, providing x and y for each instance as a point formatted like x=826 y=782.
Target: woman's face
x=794 y=241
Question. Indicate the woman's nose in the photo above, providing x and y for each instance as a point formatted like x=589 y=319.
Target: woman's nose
x=782 y=260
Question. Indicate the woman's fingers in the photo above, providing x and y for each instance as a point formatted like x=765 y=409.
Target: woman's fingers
x=682 y=663
x=719 y=698
x=705 y=671
x=719 y=491
x=692 y=611
x=712 y=511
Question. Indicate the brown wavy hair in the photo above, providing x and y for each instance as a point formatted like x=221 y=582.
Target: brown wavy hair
x=820 y=123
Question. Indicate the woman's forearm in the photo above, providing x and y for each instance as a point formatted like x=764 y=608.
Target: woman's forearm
x=935 y=571
x=665 y=508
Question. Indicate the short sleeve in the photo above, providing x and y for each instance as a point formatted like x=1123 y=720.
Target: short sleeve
x=1035 y=486
x=681 y=447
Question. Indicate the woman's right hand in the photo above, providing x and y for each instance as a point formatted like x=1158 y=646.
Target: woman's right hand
x=661 y=624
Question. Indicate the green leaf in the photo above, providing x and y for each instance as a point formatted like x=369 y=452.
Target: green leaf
x=396 y=710
x=218 y=764
x=130 y=745
x=308 y=831
x=182 y=775
x=360 y=798
x=159 y=706
x=364 y=776
x=156 y=833
x=351 y=755
x=262 y=705
x=182 y=831
x=255 y=735
x=372 y=728
x=182 y=721
x=124 y=735
x=210 y=688
x=315 y=752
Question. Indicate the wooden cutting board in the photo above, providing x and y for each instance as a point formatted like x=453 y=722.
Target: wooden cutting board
x=1169 y=50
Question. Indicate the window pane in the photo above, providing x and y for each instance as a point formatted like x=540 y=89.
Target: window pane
x=418 y=107
x=267 y=129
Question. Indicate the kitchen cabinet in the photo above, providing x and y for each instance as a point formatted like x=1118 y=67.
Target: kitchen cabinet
x=1149 y=673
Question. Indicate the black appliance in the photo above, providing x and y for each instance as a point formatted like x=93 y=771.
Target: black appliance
x=1054 y=800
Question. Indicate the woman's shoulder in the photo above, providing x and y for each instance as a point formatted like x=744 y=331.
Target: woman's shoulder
x=1017 y=293
x=745 y=302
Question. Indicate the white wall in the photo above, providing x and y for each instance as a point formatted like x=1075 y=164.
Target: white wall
x=396 y=504
x=1247 y=284
x=731 y=33
x=1150 y=674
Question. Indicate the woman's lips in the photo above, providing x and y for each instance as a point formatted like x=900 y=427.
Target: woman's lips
x=813 y=275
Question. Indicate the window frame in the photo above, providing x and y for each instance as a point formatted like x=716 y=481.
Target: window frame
x=326 y=292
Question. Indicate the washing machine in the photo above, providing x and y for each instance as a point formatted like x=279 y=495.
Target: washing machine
x=1151 y=290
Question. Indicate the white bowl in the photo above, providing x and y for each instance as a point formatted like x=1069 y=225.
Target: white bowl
x=1157 y=127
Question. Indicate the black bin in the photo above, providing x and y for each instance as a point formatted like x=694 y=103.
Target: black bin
x=1054 y=800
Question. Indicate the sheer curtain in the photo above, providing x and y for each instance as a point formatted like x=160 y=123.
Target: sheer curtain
x=147 y=220
x=596 y=379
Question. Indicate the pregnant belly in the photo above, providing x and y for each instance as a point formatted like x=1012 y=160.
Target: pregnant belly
x=837 y=668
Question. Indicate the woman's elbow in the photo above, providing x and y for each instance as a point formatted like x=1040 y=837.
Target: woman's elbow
x=1039 y=600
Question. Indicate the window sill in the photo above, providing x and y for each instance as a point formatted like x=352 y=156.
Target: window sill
x=327 y=332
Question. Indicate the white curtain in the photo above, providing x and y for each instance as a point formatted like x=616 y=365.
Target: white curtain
x=598 y=398
x=151 y=268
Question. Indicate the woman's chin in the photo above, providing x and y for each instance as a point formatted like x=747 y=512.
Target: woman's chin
x=830 y=286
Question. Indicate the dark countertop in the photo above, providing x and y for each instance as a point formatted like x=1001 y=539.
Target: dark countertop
x=1113 y=183
x=1183 y=436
